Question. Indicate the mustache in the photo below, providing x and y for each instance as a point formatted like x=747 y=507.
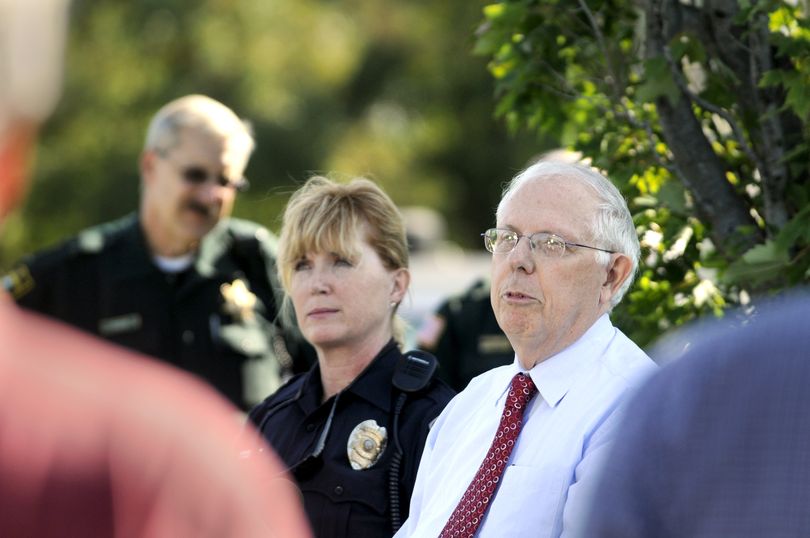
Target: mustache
x=197 y=207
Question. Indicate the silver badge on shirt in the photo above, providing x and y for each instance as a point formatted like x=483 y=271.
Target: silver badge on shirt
x=366 y=444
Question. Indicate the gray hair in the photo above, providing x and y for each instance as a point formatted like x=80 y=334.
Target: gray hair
x=612 y=226
x=199 y=113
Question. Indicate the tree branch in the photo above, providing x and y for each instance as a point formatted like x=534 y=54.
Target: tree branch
x=700 y=170
x=614 y=83
x=739 y=133
x=774 y=171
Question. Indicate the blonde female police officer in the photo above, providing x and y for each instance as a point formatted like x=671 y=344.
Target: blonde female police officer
x=351 y=429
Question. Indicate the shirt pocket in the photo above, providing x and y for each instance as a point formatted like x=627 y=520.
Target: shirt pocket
x=531 y=495
x=345 y=502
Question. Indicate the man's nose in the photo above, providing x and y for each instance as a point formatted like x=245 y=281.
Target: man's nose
x=212 y=192
x=522 y=256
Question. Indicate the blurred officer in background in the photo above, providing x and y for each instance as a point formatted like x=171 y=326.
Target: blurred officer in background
x=464 y=335
x=178 y=280
x=95 y=440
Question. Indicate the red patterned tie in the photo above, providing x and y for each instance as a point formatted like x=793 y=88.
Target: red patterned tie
x=474 y=503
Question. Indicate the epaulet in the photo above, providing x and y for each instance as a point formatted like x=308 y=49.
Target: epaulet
x=19 y=281
x=287 y=390
x=479 y=290
x=284 y=393
x=440 y=392
x=245 y=231
x=94 y=239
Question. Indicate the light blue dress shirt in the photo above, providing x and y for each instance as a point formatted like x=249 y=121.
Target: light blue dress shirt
x=567 y=428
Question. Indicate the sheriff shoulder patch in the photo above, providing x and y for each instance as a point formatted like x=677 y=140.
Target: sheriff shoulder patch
x=18 y=282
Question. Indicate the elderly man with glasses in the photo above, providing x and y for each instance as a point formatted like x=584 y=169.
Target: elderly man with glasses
x=516 y=452
x=179 y=280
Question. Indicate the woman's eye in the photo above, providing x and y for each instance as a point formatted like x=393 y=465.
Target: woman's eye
x=343 y=262
x=300 y=265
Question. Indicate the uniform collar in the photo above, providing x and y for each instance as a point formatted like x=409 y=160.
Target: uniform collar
x=211 y=257
x=211 y=260
x=134 y=260
x=373 y=384
x=555 y=375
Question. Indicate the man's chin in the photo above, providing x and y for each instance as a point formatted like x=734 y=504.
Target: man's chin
x=517 y=324
x=192 y=235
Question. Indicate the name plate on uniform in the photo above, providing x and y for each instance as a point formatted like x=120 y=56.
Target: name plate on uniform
x=493 y=343
x=120 y=324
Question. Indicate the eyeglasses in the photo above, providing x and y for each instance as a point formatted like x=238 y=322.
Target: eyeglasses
x=198 y=175
x=546 y=244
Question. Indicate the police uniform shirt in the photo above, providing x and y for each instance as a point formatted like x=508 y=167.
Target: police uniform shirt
x=341 y=501
x=214 y=319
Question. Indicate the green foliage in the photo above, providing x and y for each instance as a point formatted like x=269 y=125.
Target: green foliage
x=600 y=72
x=658 y=82
x=375 y=87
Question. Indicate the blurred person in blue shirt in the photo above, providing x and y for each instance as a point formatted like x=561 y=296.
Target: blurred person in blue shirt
x=717 y=443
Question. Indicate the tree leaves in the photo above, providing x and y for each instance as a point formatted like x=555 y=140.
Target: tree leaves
x=658 y=82
x=620 y=88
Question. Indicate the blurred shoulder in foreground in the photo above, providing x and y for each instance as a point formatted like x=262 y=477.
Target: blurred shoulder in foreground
x=96 y=441
x=718 y=442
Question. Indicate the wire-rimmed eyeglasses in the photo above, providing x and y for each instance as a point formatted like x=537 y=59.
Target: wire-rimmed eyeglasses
x=544 y=243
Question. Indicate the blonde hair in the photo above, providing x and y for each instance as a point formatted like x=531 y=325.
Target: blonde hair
x=326 y=216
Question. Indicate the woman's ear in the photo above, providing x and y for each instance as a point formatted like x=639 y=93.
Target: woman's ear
x=402 y=279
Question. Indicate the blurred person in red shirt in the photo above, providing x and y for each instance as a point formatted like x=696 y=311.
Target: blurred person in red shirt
x=94 y=440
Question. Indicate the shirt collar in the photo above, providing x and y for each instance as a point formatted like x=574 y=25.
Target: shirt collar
x=135 y=260
x=555 y=375
x=373 y=384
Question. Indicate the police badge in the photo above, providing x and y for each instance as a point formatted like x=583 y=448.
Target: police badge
x=366 y=444
x=239 y=301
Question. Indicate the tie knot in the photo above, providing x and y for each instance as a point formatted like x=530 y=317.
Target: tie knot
x=522 y=389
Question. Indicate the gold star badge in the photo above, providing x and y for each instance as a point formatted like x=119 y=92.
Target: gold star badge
x=239 y=301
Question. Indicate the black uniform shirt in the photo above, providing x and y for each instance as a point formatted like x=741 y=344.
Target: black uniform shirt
x=339 y=500
x=215 y=319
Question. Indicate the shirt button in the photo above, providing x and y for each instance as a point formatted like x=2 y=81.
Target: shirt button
x=310 y=427
x=338 y=490
x=188 y=337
